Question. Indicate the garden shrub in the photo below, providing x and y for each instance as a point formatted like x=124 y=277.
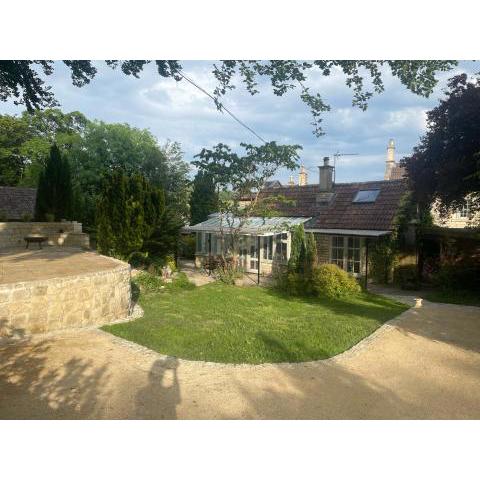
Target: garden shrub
x=458 y=277
x=187 y=246
x=383 y=258
x=225 y=270
x=139 y=259
x=406 y=277
x=331 y=281
x=148 y=282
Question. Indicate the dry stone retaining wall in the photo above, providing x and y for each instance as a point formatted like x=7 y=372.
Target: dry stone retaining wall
x=66 y=302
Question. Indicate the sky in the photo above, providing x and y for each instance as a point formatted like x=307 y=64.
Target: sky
x=180 y=112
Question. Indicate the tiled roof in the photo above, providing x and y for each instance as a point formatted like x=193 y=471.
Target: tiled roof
x=15 y=202
x=338 y=211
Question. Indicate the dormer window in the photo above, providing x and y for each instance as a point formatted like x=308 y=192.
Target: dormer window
x=366 y=196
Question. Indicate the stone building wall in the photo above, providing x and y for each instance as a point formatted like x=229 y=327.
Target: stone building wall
x=67 y=302
x=323 y=248
x=68 y=234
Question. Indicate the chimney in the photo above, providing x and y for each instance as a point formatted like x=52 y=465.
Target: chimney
x=290 y=181
x=390 y=163
x=302 y=176
x=326 y=175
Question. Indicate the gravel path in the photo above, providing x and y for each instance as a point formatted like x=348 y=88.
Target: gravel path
x=424 y=364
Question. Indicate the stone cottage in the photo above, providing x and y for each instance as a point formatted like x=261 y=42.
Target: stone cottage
x=345 y=219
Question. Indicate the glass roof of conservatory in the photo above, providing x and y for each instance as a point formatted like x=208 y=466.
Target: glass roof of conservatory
x=254 y=225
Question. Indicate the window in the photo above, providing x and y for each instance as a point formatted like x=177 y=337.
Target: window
x=337 y=251
x=214 y=244
x=346 y=253
x=253 y=253
x=366 y=196
x=464 y=211
x=208 y=243
x=268 y=247
x=281 y=247
x=353 y=259
x=199 y=242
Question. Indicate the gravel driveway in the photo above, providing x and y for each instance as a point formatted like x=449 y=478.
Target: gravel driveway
x=424 y=364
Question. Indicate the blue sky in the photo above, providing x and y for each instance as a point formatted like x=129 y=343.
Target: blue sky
x=180 y=112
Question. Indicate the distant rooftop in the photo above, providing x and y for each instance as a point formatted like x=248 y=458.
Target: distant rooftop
x=17 y=202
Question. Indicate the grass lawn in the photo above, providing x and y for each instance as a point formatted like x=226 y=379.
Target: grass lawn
x=222 y=323
x=459 y=297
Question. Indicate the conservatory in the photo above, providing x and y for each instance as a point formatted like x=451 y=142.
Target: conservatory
x=262 y=242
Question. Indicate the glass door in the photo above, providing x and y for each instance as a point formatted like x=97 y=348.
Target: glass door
x=253 y=263
x=243 y=252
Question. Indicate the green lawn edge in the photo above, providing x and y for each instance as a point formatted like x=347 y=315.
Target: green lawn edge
x=253 y=325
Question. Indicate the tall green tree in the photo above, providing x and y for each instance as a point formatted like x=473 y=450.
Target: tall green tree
x=14 y=132
x=204 y=198
x=22 y=79
x=129 y=210
x=54 y=191
x=445 y=166
x=311 y=255
x=296 y=262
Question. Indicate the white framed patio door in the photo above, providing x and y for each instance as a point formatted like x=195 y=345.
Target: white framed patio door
x=254 y=255
x=248 y=253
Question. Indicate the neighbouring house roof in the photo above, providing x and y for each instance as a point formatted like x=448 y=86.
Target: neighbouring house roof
x=254 y=225
x=337 y=210
x=16 y=202
x=273 y=184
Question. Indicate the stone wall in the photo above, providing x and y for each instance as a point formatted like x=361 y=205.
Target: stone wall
x=68 y=234
x=67 y=302
x=323 y=247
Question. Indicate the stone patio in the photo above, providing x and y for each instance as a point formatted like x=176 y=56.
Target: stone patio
x=25 y=265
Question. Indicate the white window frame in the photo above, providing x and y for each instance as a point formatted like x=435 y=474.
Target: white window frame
x=282 y=240
x=267 y=247
x=344 y=247
x=464 y=211
x=199 y=243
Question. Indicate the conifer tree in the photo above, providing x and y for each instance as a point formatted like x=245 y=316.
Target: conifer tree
x=297 y=251
x=129 y=211
x=203 y=200
x=54 y=191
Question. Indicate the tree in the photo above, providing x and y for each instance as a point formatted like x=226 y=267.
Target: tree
x=25 y=142
x=204 y=198
x=445 y=166
x=296 y=262
x=129 y=210
x=13 y=134
x=311 y=256
x=54 y=192
x=19 y=79
x=243 y=177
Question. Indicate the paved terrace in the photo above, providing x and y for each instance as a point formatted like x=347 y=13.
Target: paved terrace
x=24 y=265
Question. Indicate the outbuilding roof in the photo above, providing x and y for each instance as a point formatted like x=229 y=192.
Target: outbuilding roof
x=17 y=202
x=254 y=225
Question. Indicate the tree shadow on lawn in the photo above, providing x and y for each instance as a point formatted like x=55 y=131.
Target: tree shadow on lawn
x=375 y=304
x=276 y=348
